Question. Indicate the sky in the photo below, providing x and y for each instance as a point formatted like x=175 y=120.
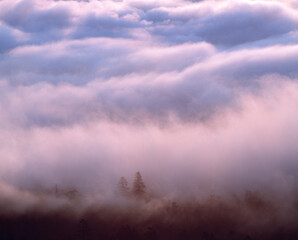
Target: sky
x=199 y=96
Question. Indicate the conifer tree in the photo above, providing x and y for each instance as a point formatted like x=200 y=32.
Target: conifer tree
x=83 y=230
x=139 y=187
x=123 y=186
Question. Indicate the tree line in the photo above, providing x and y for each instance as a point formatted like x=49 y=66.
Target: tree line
x=138 y=188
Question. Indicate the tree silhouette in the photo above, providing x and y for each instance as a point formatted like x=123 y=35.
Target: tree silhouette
x=139 y=188
x=127 y=233
x=83 y=230
x=123 y=186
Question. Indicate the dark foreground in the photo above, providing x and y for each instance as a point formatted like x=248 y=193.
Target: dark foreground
x=248 y=217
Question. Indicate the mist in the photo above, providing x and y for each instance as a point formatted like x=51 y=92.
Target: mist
x=198 y=97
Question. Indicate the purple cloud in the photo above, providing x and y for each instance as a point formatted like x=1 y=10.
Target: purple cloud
x=206 y=89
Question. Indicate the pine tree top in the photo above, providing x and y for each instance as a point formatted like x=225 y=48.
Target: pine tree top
x=139 y=187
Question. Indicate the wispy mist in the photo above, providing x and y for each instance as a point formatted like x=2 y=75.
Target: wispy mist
x=199 y=96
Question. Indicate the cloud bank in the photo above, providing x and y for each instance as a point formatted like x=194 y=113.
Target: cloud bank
x=200 y=96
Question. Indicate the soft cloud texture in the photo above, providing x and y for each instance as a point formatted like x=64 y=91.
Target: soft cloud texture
x=199 y=96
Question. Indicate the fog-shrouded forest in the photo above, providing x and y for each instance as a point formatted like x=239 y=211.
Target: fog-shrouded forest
x=148 y=119
x=137 y=212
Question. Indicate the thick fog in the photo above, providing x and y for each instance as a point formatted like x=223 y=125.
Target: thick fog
x=199 y=96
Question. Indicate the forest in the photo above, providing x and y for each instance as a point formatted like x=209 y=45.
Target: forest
x=136 y=214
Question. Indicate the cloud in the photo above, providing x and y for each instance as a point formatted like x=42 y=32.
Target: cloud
x=26 y=16
x=81 y=61
x=92 y=90
x=8 y=39
x=106 y=26
x=93 y=153
x=222 y=24
x=247 y=23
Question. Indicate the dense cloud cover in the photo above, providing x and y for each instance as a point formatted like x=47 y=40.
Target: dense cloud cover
x=200 y=96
